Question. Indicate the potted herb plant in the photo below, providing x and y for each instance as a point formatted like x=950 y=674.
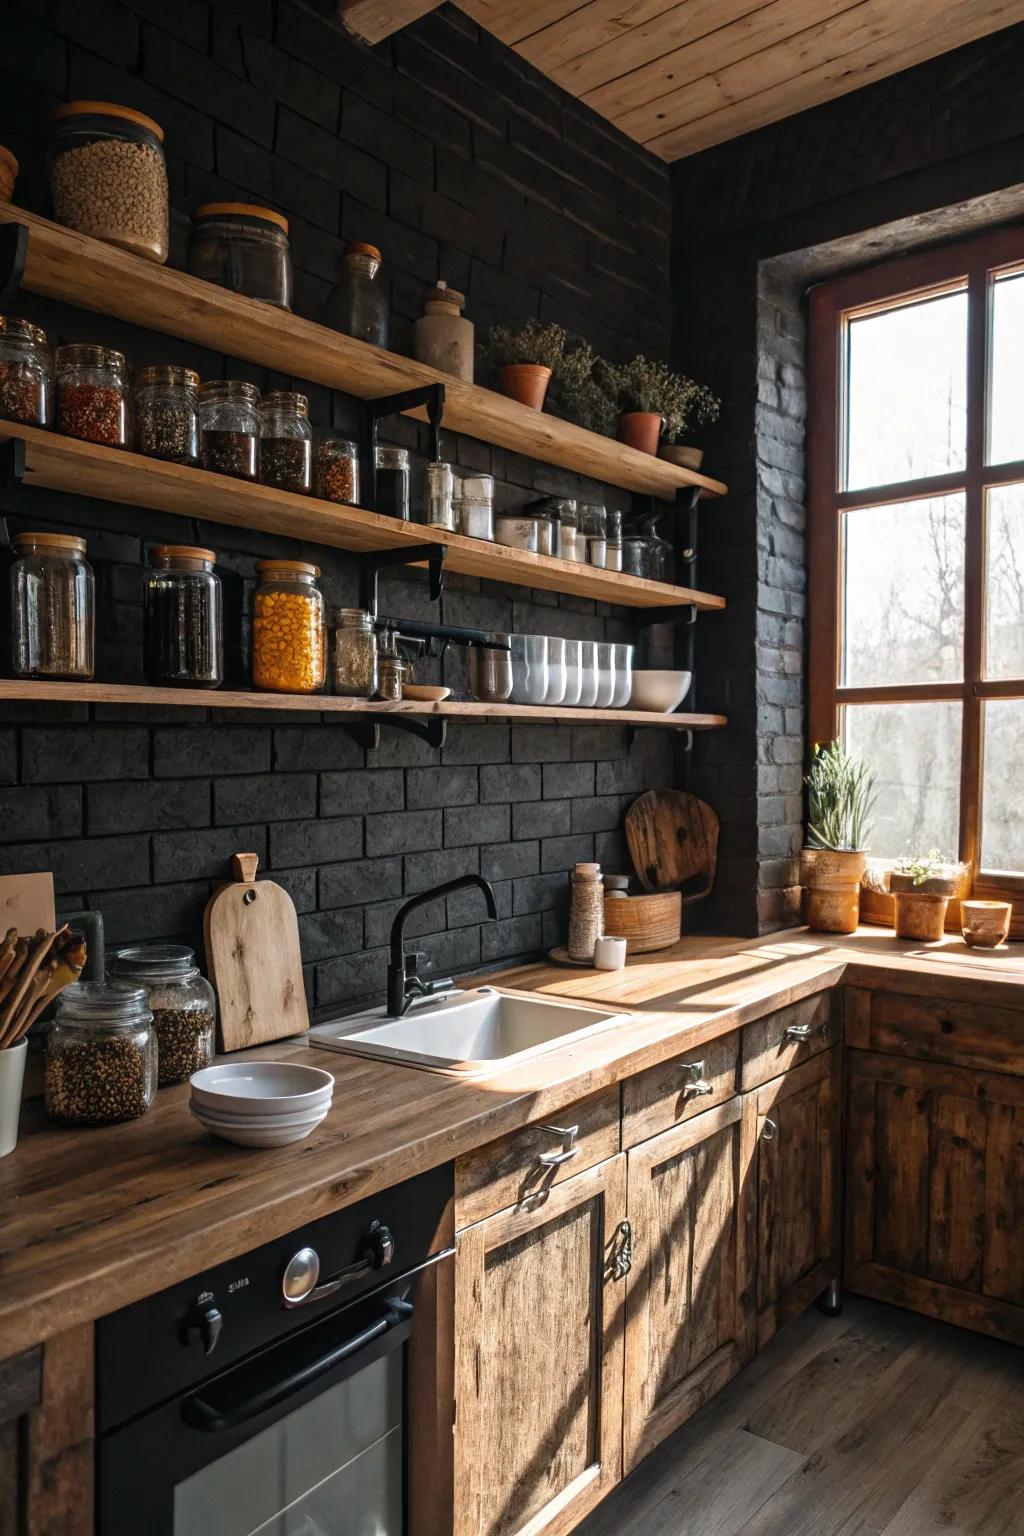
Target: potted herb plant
x=922 y=886
x=840 y=792
x=696 y=407
x=524 y=359
x=580 y=391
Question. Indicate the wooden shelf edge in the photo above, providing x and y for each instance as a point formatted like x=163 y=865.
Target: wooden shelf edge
x=27 y=690
x=77 y=269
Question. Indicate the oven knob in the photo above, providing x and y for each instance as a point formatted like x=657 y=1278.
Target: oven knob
x=378 y=1247
x=300 y=1276
x=206 y=1322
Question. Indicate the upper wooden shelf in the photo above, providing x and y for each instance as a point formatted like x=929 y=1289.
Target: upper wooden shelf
x=59 y=463
x=79 y=270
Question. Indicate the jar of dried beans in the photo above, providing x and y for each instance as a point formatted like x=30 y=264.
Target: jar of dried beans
x=181 y=1001
x=91 y=395
x=229 y=428
x=26 y=372
x=52 y=602
x=101 y=1055
x=245 y=248
x=108 y=177
x=164 y=405
x=288 y=628
x=183 y=644
x=336 y=470
x=286 y=442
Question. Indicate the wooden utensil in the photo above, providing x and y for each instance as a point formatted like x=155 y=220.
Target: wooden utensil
x=254 y=960
x=673 y=842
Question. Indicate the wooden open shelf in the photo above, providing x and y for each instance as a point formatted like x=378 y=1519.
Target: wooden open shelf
x=79 y=270
x=137 y=694
x=59 y=463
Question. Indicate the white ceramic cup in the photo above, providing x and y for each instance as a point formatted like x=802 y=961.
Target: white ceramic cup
x=12 y=1074
x=588 y=674
x=609 y=953
x=556 y=670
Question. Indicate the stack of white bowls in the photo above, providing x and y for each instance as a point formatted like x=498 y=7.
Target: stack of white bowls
x=260 y=1103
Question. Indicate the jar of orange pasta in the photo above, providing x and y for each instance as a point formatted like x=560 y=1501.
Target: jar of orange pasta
x=288 y=652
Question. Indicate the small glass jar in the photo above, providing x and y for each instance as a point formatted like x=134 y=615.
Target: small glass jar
x=490 y=670
x=183 y=636
x=547 y=540
x=392 y=466
x=164 y=406
x=569 y=545
x=594 y=528
x=637 y=556
x=336 y=470
x=613 y=555
x=108 y=177
x=92 y=395
x=440 y=488
x=101 y=1055
x=516 y=530
x=245 y=248
x=286 y=442
x=181 y=1001
x=605 y=675
x=358 y=305
x=26 y=373
x=288 y=628
x=53 y=607
x=354 y=660
x=229 y=428
x=476 y=506
x=622 y=660
x=390 y=670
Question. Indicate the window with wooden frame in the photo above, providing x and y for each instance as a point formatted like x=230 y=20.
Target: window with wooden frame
x=916 y=548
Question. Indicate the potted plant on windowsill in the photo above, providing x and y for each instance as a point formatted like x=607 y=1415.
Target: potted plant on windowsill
x=922 y=887
x=696 y=407
x=524 y=359
x=839 y=794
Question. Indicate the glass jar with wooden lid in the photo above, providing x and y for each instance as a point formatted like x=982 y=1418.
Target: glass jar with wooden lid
x=243 y=247
x=92 y=394
x=358 y=305
x=229 y=428
x=288 y=628
x=183 y=636
x=53 y=607
x=26 y=372
x=286 y=442
x=108 y=177
x=165 y=408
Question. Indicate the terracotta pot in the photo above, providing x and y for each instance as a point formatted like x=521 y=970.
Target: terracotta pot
x=831 y=882
x=525 y=382
x=686 y=458
x=921 y=909
x=641 y=429
x=985 y=923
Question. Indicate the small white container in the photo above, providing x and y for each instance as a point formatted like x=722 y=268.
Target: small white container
x=12 y=1075
x=555 y=693
x=609 y=953
x=516 y=531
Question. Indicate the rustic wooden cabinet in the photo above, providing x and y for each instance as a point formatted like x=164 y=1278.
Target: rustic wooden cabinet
x=46 y=1438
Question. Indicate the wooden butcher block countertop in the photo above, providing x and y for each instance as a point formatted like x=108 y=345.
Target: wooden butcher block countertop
x=93 y=1220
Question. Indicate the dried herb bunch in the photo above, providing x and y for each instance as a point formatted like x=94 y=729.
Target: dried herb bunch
x=533 y=343
x=644 y=384
x=840 y=794
x=579 y=390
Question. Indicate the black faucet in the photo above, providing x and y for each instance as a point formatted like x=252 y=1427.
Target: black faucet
x=403 y=982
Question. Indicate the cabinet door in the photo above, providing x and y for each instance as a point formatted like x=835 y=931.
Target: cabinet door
x=797 y=1190
x=538 y=1358
x=935 y=1191
x=690 y=1303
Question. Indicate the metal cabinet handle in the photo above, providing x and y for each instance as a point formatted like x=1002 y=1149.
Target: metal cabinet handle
x=770 y=1131
x=622 y=1252
x=698 y=1084
x=804 y=1031
x=567 y=1135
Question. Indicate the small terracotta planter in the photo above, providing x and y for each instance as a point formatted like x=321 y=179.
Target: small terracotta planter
x=985 y=924
x=525 y=382
x=686 y=458
x=921 y=909
x=641 y=430
x=831 y=882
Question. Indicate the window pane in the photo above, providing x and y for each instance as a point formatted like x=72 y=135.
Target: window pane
x=915 y=752
x=1006 y=422
x=903 y=585
x=1002 y=825
x=907 y=392
x=1004 y=595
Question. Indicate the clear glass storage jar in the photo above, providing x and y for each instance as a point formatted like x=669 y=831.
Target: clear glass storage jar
x=336 y=470
x=288 y=628
x=26 y=373
x=613 y=547
x=594 y=528
x=92 y=394
x=286 y=442
x=569 y=544
x=101 y=1055
x=392 y=466
x=165 y=411
x=108 y=177
x=181 y=1001
x=440 y=491
x=358 y=304
x=245 y=248
x=52 y=607
x=183 y=632
x=354 y=658
x=229 y=428
x=476 y=506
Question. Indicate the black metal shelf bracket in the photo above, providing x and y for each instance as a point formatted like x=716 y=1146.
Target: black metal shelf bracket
x=373 y=561
x=366 y=732
x=13 y=255
x=430 y=396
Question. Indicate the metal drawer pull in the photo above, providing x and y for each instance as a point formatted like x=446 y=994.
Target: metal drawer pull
x=804 y=1031
x=698 y=1083
x=622 y=1255
x=567 y=1135
x=770 y=1131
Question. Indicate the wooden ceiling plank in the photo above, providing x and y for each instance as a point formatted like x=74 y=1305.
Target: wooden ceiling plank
x=651 y=42
x=513 y=20
x=374 y=20
x=605 y=27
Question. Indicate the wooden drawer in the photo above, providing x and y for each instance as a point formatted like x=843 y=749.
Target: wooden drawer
x=513 y=1171
x=935 y=1029
x=785 y=1039
x=665 y=1095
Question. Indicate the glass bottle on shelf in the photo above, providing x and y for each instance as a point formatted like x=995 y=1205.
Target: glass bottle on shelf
x=288 y=628
x=286 y=442
x=358 y=305
x=569 y=545
x=183 y=635
x=613 y=544
x=53 y=607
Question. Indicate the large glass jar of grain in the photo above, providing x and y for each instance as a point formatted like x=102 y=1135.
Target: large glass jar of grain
x=26 y=372
x=286 y=442
x=183 y=633
x=52 y=607
x=101 y=1055
x=245 y=248
x=108 y=177
x=92 y=395
x=229 y=428
x=288 y=628
x=181 y=1001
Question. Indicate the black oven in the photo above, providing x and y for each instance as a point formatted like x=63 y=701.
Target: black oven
x=268 y=1396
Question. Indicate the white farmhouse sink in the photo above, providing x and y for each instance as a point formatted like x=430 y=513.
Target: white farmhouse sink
x=465 y=1034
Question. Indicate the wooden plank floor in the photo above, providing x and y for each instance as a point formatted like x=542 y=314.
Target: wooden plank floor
x=875 y=1423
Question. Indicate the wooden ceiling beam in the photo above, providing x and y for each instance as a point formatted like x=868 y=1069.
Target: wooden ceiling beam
x=374 y=20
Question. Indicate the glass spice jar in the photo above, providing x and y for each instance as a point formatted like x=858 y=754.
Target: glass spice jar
x=476 y=506
x=336 y=470
x=354 y=660
x=288 y=628
x=108 y=177
x=440 y=506
x=613 y=544
x=53 y=607
x=182 y=1003
x=569 y=544
x=392 y=482
x=164 y=407
x=390 y=669
x=594 y=528
x=244 y=248
x=26 y=373
x=101 y=1055
x=229 y=428
x=358 y=305
x=286 y=442
x=91 y=395
x=183 y=636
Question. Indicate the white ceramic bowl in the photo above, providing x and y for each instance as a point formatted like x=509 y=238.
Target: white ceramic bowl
x=249 y=1121
x=261 y=1087
x=266 y=1134
x=659 y=692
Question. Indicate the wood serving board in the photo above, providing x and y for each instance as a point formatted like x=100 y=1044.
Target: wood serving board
x=673 y=842
x=254 y=959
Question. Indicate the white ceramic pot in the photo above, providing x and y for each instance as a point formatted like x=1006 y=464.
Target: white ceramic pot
x=12 y=1075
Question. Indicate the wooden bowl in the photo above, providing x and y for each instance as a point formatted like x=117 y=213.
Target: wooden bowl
x=424 y=693
x=645 y=922
x=985 y=923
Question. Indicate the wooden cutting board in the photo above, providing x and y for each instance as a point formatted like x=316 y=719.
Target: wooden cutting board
x=673 y=842
x=254 y=960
